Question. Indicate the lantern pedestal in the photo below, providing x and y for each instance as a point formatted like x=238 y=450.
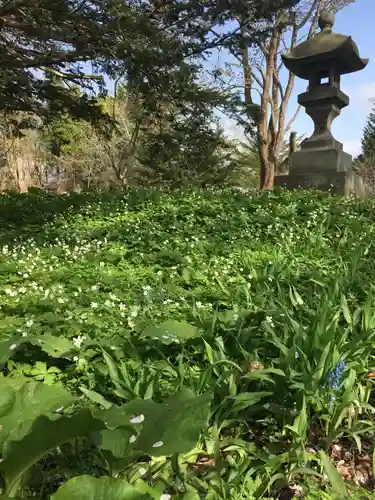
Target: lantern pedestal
x=321 y=163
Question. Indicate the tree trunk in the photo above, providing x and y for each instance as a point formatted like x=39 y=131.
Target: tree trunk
x=267 y=166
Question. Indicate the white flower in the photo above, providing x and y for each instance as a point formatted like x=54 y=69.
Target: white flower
x=12 y=347
x=157 y=444
x=29 y=322
x=94 y=305
x=75 y=358
x=94 y=288
x=133 y=439
x=24 y=334
x=77 y=341
x=137 y=420
x=269 y=320
x=165 y=496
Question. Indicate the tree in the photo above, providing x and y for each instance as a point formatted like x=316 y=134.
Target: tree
x=42 y=39
x=262 y=67
x=20 y=152
x=156 y=48
x=82 y=156
x=368 y=139
x=246 y=165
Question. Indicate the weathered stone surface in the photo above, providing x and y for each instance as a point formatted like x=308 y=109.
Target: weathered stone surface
x=314 y=160
x=326 y=50
x=321 y=163
x=339 y=183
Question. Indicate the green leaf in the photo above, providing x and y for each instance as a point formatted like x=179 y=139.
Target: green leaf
x=300 y=422
x=20 y=409
x=171 y=331
x=117 y=441
x=112 y=369
x=103 y=488
x=96 y=397
x=263 y=374
x=337 y=482
x=319 y=371
x=44 y=436
x=8 y=348
x=57 y=347
x=345 y=310
x=155 y=492
x=246 y=399
x=120 y=416
x=175 y=425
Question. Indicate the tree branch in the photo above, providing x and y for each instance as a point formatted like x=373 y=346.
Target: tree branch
x=34 y=31
x=71 y=76
x=292 y=120
x=12 y=8
x=262 y=73
x=20 y=58
x=314 y=5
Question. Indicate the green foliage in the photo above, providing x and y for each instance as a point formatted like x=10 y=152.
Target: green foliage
x=202 y=343
x=368 y=139
x=32 y=426
x=141 y=41
x=90 y=488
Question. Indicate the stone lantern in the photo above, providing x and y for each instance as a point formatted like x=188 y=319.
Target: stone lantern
x=321 y=162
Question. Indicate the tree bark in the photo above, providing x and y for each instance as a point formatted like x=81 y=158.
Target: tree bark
x=265 y=124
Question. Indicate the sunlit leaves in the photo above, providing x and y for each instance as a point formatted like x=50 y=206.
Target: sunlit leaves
x=90 y=488
x=171 y=331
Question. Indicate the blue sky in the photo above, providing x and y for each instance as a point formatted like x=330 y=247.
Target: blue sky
x=357 y=20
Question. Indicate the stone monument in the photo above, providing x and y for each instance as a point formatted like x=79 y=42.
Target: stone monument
x=321 y=162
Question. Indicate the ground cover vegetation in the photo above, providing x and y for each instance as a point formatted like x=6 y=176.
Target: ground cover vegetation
x=168 y=336
x=186 y=344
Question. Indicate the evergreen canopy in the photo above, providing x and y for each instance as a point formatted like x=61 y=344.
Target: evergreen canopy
x=368 y=139
x=145 y=42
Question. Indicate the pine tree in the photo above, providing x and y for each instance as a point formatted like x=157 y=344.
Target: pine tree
x=368 y=139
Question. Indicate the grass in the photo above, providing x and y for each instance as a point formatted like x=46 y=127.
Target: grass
x=269 y=301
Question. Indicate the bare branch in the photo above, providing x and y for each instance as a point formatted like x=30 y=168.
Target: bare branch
x=262 y=73
x=314 y=6
x=71 y=76
x=292 y=120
